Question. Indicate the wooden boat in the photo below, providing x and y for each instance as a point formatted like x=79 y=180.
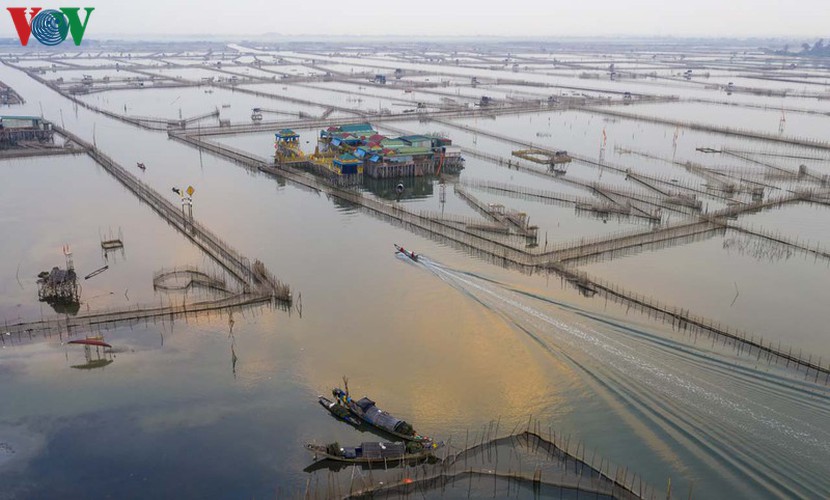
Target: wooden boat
x=92 y=341
x=410 y=254
x=366 y=410
x=374 y=452
x=339 y=411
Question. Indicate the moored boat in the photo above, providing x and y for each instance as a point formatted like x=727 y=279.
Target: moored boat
x=374 y=452
x=339 y=411
x=366 y=410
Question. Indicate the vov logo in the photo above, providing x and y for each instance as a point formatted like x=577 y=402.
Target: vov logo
x=49 y=27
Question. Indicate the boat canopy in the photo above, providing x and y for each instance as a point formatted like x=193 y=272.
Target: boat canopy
x=365 y=403
x=378 y=417
x=383 y=450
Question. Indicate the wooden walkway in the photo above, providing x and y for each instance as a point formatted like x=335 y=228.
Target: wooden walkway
x=817 y=250
x=8 y=154
x=502 y=216
x=749 y=134
x=617 y=200
x=587 y=247
x=84 y=322
x=507 y=189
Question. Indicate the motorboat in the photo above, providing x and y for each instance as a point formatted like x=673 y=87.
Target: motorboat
x=408 y=253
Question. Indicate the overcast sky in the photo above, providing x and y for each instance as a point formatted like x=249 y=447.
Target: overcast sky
x=738 y=18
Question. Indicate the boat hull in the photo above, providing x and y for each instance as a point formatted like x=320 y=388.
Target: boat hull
x=91 y=342
x=412 y=255
x=352 y=406
x=321 y=453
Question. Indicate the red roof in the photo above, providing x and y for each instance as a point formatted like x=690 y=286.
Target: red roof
x=377 y=138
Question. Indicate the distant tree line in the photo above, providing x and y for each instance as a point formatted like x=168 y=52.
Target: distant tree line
x=819 y=49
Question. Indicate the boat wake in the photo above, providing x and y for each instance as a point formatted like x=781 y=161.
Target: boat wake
x=763 y=432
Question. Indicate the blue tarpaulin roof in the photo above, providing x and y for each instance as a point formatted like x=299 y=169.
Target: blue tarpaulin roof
x=376 y=416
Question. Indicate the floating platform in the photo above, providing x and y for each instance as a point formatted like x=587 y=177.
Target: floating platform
x=112 y=244
x=18 y=129
x=542 y=156
x=59 y=286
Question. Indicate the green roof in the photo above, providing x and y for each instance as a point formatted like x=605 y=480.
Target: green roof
x=415 y=138
x=388 y=143
x=287 y=132
x=412 y=150
x=357 y=127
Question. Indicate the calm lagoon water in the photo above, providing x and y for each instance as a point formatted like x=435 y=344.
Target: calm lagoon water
x=449 y=344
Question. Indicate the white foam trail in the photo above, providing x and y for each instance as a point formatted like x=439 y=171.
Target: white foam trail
x=683 y=383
